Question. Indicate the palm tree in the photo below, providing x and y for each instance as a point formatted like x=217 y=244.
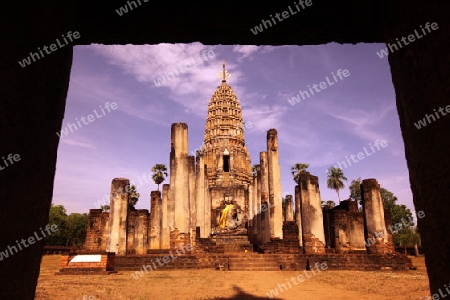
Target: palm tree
x=133 y=196
x=297 y=169
x=334 y=180
x=159 y=173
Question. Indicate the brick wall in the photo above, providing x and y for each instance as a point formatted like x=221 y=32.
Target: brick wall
x=285 y=262
x=106 y=264
x=97 y=230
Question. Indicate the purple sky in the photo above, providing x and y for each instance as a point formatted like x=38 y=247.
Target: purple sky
x=340 y=120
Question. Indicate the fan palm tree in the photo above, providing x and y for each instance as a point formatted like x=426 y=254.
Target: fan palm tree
x=159 y=173
x=297 y=169
x=334 y=180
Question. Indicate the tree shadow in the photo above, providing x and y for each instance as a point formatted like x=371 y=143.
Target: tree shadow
x=241 y=295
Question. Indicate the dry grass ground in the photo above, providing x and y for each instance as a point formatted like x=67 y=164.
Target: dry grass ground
x=210 y=284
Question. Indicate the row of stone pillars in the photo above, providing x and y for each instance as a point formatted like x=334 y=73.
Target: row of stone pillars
x=265 y=197
x=309 y=218
x=190 y=203
x=179 y=209
x=185 y=204
x=136 y=230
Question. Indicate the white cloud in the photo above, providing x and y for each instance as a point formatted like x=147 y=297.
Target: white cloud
x=147 y=63
x=362 y=123
x=265 y=117
x=246 y=51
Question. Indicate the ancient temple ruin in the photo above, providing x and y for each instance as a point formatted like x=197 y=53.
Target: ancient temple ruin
x=218 y=205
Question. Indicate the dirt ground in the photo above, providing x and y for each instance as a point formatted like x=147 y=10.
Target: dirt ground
x=210 y=284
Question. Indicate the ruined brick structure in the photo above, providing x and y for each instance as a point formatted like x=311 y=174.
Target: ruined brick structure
x=216 y=204
x=344 y=227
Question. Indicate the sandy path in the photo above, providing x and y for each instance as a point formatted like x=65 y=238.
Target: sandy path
x=210 y=284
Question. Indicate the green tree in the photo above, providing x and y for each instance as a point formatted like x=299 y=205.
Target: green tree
x=76 y=225
x=71 y=228
x=254 y=169
x=355 y=189
x=297 y=169
x=388 y=198
x=399 y=213
x=105 y=208
x=159 y=173
x=133 y=196
x=334 y=180
x=407 y=235
x=57 y=216
x=329 y=204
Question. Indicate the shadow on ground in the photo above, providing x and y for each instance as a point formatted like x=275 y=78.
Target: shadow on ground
x=241 y=295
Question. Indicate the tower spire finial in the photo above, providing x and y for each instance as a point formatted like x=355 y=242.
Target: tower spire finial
x=224 y=75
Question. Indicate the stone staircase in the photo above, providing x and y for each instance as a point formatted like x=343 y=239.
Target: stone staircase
x=251 y=261
x=233 y=244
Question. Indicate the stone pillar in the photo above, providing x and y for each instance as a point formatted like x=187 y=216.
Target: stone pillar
x=155 y=221
x=298 y=215
x=265 y=215
x=165 y=230
x=192 y=214
x=265 y=222
x=274 y=178
x=256 y=206
x=200 y=193
x=289 y=208
x=207 y=206
x=179 y=178
x=375 y=228
x=118 y=216
x=311 y=211
x=170 y=208
x=141 y=231
x=250 y=209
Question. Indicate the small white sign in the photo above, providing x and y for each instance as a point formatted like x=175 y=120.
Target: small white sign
x=87 y=258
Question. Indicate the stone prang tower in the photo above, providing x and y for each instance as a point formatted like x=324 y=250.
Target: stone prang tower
x=226 y=157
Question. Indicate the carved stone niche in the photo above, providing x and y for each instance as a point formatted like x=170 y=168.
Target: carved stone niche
x=235 y=219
